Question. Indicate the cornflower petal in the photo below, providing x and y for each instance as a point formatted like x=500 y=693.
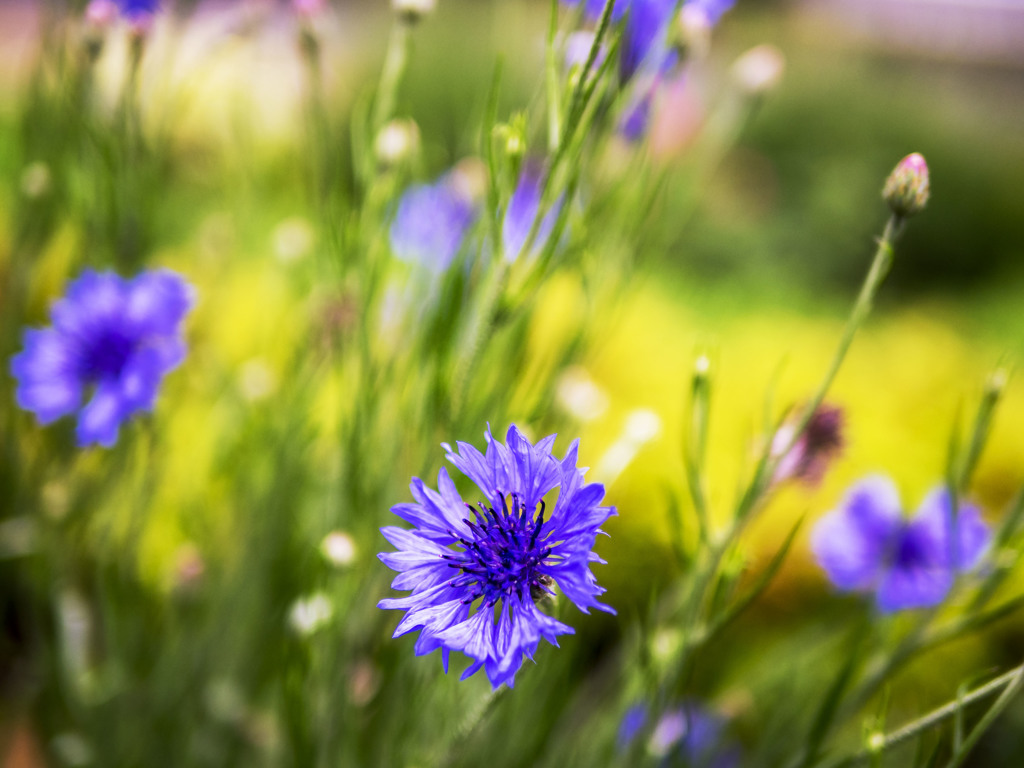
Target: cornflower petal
x=851 y=543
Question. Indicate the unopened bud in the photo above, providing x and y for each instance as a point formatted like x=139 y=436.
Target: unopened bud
x=412 y=11
x=759 y=70
x=997 y=381
x=309 y=8
x=693 y=31
x=907 y=188
x=397 y=141
x=101 y=13
x=338 y=549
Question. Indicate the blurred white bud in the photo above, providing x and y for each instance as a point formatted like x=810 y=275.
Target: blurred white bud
x=18 y=536
x=759 y=70
x=469 y=178
x=255 y=380
x=36 y=180
x=76 y=633
x=579 y=396
x=666 y=645
x=56 y=500
x=413 y=10
x=642 y=425
x=339 y=549
x=224 y=700
x=310 y=613
x=397 y=141
x=72 y=749
x=293 y=239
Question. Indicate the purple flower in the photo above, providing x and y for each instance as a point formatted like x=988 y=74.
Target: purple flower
x=111 y=343
x=138 y=11
x=866 y=545
x=523 y=209
x=431 y=223
x=476 y=573
x=688 y=731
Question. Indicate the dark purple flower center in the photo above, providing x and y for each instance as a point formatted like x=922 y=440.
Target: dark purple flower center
x=505 y=554
x=104 y=357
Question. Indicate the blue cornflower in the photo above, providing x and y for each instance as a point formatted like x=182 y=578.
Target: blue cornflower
x=138 y=10
x=866 y=545
x=431 y=223
x=476 y=573
x=688 y=732
x=523 y=209
x=111 y=342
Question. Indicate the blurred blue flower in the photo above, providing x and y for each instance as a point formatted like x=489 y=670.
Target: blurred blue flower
x=111 y=342
x=138 y=10
x=501 y=556
x=523 y=209
x=431 y=223
x=688 y=732
x=867 y=545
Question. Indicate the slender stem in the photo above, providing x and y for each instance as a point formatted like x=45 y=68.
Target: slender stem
x=391 y=75
x=1010 y=683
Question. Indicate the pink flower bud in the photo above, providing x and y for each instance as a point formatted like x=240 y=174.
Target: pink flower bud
x=906 y=190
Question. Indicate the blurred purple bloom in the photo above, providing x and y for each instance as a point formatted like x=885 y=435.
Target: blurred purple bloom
x=111 y=342
x=819 y=444
x=637 y=117
x=644 y=41
x=523 y=209
x=867 y=545
x=431 y=223
x=689 y=732
x=138 y=10
x=501 y=556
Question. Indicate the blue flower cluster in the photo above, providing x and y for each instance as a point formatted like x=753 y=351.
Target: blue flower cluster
x=866 y=545
x=478 y=572
x=111 y=343
x=688 y=732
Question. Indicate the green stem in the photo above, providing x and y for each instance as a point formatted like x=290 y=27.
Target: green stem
x=1010 y=683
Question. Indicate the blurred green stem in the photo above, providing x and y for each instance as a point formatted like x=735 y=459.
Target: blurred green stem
x=391 y=75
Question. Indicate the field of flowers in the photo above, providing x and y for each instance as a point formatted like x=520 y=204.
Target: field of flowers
x=293 y=295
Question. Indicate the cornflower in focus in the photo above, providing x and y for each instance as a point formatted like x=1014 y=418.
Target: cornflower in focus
x=431 y=223
x=866 y=545
x=818 y=445
x=687 y=732
x=502 y=556
x=111 y=342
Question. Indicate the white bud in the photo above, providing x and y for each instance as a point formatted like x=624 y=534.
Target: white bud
x=36 y=180
x=580 y=396
x=396 y=142
x=413 y=10
x=293 y=239
x=759 y=70
x=310 y=613
x=256 y=380
x=338 y=549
